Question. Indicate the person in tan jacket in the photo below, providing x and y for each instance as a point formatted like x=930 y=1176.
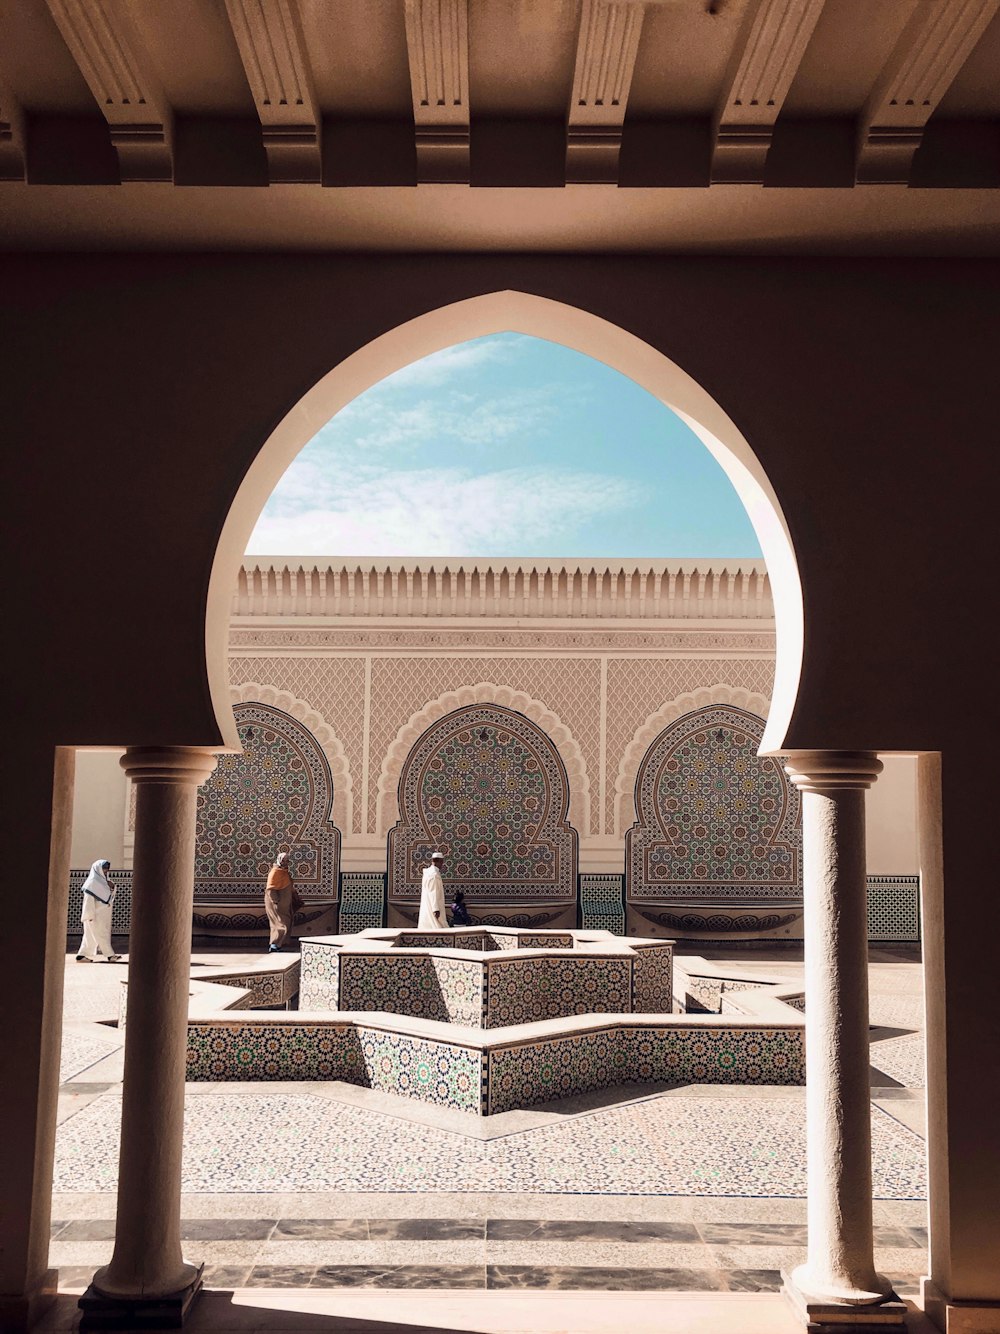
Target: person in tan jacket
x=278 y=902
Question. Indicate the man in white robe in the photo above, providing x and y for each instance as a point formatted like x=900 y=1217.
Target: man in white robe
x=432 y=914
x=98 y=896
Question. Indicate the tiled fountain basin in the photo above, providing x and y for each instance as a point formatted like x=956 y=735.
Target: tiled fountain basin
x=486 y=978
x=484 y=1073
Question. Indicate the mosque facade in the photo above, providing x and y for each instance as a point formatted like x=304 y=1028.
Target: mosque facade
x=579 y=738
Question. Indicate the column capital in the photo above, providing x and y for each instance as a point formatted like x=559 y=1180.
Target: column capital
x=828 y=771
x=176 y=765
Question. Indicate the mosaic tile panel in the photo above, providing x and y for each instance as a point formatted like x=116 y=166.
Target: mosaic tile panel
x=362 y=901
x=681 y=1145
x=527 y=941
x=260 y=1052
x=444 y=1074
x=121 y=908
x=716 y=1055
x=521 y=1076
x=277 y=796
x=486 y=786
x=424 y=986
x=524 y=991
x=652 y=979
x=715 y=820
x=893 y=907
x=267 y=989
x=319 y=977
x=602 y=903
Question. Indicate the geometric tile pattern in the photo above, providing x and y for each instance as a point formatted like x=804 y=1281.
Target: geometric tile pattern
x=490 y=989
x=692 y=1146
x=276 y=796
x=487 y=1078
x=652 y=979
x=423 y=985
x=488 y=787
x=79 y=1051
x=714 y=818
x=602 y=903
x=362 y=901
x=901 y=1059
x=893 y=907
x=121 y=907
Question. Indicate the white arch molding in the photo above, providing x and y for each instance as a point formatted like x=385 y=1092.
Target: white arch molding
x=251 y=692
x=485 y=692
x=539 y=317
x=628 y=770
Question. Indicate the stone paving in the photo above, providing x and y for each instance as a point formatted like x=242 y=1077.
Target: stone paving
x=326 y=1185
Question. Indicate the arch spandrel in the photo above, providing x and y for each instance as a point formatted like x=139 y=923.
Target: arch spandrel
x=277 y=795
x=486 y=786
x=717 y=822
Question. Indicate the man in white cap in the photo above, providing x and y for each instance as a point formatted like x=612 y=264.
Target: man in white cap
x=432 y=913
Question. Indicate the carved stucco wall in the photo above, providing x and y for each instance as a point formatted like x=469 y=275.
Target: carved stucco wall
x=367 y=690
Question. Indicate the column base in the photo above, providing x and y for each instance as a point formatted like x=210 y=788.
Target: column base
x=139 y=1313
x=955 y=1317
x=18 y=1313
x=821 y=1316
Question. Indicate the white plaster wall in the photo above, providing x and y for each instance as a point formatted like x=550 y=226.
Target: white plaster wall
x=98 y=808
x=891 y=818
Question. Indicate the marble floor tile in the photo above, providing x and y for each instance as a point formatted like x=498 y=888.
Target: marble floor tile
x=602 y=1278
x=752 y=1280
x=426 y=1229
x=322 y=1229
x=399 y=1276
x=226 y=1229
x=280 y=1276
x=753 y=1234
x=226 y=1276
x=89 y=1229
x=593 y=1230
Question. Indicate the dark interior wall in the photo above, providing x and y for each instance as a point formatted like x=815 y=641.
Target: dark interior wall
x=137 y=389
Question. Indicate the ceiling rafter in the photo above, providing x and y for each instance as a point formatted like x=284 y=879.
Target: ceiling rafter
x=607 y=46
x=107 y=51
x=762 y=71
x=932 y=50
x=437 y=42
x=269 y=37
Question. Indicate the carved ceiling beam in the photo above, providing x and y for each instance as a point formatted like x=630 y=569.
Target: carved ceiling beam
x=437 y=41
x=606 y=49
x=11 y=138
x=757 y=84
x=110 y=57
x=269 y=36
x=933 y=48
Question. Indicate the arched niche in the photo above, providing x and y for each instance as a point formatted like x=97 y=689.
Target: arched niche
x=276 y=795
x=540 y=317
x=486 y=786
x=717 y=845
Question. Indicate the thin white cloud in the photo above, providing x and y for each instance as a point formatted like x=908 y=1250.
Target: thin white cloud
x=432 y=512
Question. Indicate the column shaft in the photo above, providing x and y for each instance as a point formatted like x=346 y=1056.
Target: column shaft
x=840 y=1268
x=147 y=1260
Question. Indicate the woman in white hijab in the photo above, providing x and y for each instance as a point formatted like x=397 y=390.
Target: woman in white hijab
x=98 y=894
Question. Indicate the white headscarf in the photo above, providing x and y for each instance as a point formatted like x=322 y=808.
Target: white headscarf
x=96 y=884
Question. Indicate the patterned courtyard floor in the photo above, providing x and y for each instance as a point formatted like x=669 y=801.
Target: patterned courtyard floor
x=670 y=1145
x=694 y=1188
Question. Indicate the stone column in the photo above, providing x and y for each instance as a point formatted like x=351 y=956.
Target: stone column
x=148 y=1281
x=837 y=1287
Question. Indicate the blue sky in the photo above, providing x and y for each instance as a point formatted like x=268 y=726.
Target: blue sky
x=505 y=446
